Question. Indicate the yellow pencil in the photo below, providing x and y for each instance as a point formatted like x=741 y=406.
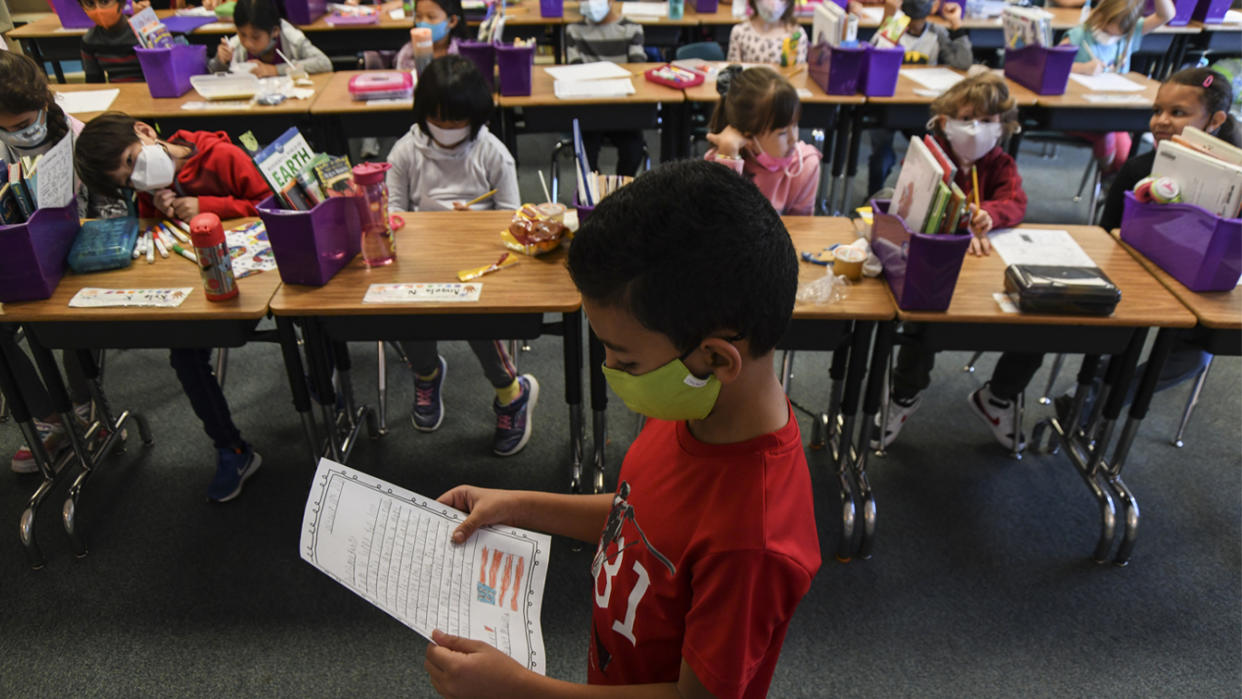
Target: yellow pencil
x=974 y=180
x=479 y=198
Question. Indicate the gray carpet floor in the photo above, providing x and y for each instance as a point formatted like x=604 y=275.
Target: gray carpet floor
x=980 y=584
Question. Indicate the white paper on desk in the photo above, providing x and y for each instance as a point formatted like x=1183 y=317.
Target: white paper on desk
x=592 y=89
x=54 y=176
x=214 y=26
x=803 y=93
x=939 y=79
x=872 y=15
x=87 y=100
x=424 y=292
x=599 y=70
x=644 y=9
x=94 y=297
x=1106 y=82
x=1036 y=246
x=215 y=105
x=1110 y=98
x=195 y=12
x=398 y=13
x=391 y=547
x=1232 y=17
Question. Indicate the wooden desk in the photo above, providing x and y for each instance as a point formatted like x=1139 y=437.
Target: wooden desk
x=798 y=77
x=1073 y=112
x=335 y=115
x=542 y=112
x=433 y=247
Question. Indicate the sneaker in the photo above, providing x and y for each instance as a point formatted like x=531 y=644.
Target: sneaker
x=428 y=410
x=232 y=470
x=898 y=412
x=997 y=414
x=513 y=421
x=55 y=442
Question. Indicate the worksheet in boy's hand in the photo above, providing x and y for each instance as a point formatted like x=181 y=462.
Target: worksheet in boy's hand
x=392 y=547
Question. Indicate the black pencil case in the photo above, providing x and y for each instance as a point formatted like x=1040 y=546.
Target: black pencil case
x=1055 y=289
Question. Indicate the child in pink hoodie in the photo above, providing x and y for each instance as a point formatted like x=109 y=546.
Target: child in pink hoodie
x=755 y=132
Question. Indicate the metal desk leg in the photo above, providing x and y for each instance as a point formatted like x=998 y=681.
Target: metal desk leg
x=321 y=378
x=572 y=345
x=381 y=379
x=21 y=415
x=297 y=383
x=1069 y=428
x=356 y=416
x=851 y=165
x=599 y=403
x=871 y=407
x=860 y=343
x=827 y=425
x=1138 y=411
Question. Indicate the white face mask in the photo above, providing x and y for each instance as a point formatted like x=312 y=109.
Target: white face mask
x=771 y=10
x=153 y=169
x=1104 y=38
x=28 y=137
x=448 y=138
x=595 y=10
x=972 y=140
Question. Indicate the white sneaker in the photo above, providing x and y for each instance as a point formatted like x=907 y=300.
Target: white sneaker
x=898 y=413
x=997 y=414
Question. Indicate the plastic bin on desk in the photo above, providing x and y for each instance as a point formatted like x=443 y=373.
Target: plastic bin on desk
x=551 y=8
x=516 y=64
x=71 y=14
x=879 y=76
x=1044 y=70
x=706 y=7
x=33 y=254
x=1200 y=249
x=312 y=246
x=168 y=70
x=305 y=11
x=836 y=69
x=483 y=55
x=921 y=269
x=1210 y=11
x=1182 y=11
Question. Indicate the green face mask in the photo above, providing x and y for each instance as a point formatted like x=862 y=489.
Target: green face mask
x=668 y=393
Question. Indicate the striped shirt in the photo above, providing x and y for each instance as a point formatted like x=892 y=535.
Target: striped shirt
x=619 y=42
x=108 y=55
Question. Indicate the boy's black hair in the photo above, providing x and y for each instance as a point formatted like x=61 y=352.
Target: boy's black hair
x=260 y=14
x=690 y=249
x=99 y=149
x=452 y=89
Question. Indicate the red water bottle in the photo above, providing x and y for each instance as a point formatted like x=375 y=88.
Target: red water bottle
x=213 y=257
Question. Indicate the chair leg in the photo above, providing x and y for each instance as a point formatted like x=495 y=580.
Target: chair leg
x=787 y=361
x=1093 y=169
x=1046 y=399
x=381 y=382
x=1018 y=446
x=1192 y=402
x=970 y=365
x=556 y=169
x=222 y=364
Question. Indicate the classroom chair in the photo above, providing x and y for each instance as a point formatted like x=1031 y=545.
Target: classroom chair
x=702 y=50
x=567 y=145
x=1191 y=402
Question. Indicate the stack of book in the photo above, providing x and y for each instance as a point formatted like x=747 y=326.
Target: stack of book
x=151 y=32
x=22 y=192
x=926 y=197
x=1026 y=26
x=300 y=177
x=833 y=25
x=1207 y=170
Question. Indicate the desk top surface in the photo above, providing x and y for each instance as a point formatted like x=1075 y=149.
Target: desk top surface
x=433 y=247
x=1075 y=96
x=135 y=100
x=334 y=98
x=867 y=299
x=49 y=26
x=174 y=271
x=706 y=92
x=542 y=90
x=1144 y=301
x=905 y=92
x=1219 y=310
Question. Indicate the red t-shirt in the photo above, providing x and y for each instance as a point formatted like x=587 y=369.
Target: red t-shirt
x=736 y=525
x=220 y=174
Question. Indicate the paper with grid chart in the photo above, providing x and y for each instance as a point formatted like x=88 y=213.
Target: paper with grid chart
x=391 y=547
x=939 y=79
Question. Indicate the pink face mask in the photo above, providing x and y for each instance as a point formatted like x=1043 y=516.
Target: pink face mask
x=774 y=164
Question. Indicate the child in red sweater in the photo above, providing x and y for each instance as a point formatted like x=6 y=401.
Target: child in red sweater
x=969 y=121
x=191 y=173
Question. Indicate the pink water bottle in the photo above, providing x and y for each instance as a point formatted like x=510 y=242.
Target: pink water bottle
x=378 y=245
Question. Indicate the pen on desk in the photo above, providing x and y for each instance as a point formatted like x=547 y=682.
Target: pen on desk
x=479 y=198
x=151 y=246
x=137 y=251
x=172 y=228
x=185 y=253
x=974 y=181
x=160 y=245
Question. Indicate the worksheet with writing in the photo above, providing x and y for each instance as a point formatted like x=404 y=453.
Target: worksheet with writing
x=392 y=547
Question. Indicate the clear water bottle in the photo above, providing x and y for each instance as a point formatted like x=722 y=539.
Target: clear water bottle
x=378 y=244
x=424 y=52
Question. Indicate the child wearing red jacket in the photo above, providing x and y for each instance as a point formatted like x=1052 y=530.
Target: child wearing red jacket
x=191 y=173
x=968 y=121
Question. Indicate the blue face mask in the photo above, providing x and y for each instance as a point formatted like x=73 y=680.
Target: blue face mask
x=438 y=31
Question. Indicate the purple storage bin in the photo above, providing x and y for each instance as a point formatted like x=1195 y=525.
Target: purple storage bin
x=583 y=211
x=1209 y=11
x=167 y=71
x=1182 y=11
x=1200 y=249
x=879 y=76
x=483 y=55
x=305 y=11
x=921 y=269
x=707 y=7
x=551 y=8
x=515 y=64
x=33 y=254
x=71 y=14
x=185 y=25
x=837 y=70
x=1042 y=69
x=312 y=246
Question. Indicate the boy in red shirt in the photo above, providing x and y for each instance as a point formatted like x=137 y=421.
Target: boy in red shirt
x=191 y=173
x=688 y=277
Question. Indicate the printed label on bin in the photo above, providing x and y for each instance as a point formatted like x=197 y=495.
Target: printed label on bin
x=93 y=297
x=424 y=292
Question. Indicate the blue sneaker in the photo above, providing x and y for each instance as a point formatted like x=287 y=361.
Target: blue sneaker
x=428 y=411
x=513 y=421
x=232 y=470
